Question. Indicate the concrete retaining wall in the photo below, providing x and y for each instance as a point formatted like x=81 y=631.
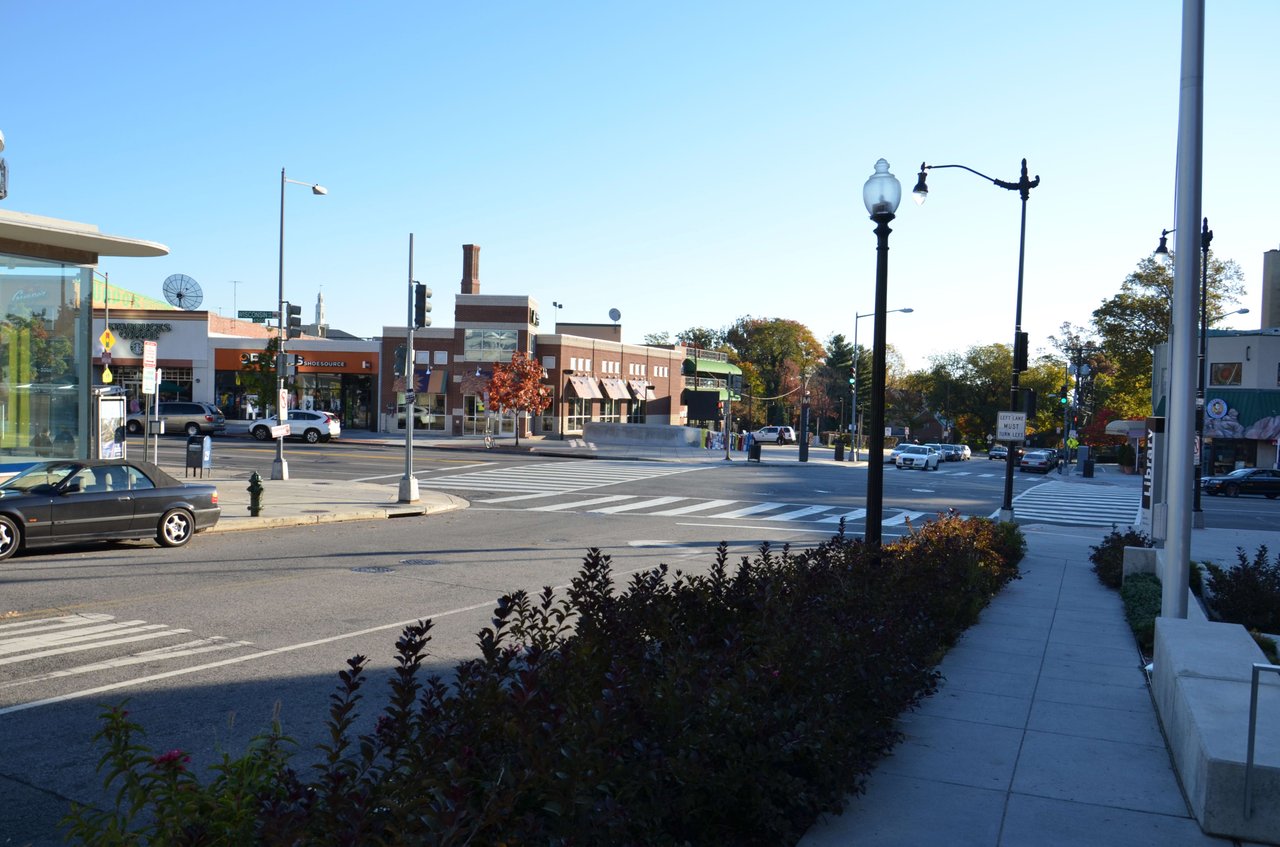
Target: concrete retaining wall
x=1201 y=685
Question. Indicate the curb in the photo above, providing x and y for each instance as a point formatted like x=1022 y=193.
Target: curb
x=241 y=523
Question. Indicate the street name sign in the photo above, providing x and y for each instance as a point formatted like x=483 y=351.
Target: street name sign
x=1011 y=426
x=256 y=316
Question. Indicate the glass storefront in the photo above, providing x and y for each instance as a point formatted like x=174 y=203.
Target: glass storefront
x=44 y=363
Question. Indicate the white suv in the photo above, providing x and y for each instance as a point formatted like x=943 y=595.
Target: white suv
x=776 y=434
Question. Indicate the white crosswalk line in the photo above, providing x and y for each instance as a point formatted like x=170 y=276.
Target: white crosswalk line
x=560 y=507
x=1064 y=503
x=901 y=518
x=629 y=507
x=84 y=634
x=849 y=517
x=156 y=631
x=798 y=513
x=175 y=651
x=695 y=507
x=749 y=510
x=556 y=477
x=45 y=624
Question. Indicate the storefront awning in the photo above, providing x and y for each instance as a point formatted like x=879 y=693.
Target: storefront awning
x=585 y=387
x=433 y=381
x=709 y=366
x=642 y=390
x=615 y=388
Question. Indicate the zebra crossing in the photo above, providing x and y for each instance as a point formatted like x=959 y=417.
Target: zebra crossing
x=819 y=516
x=88 y=644
x=1066 y=503
x=555 y=478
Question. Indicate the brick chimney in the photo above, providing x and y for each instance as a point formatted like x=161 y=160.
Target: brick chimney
x=1270 y=290
x=470 y=269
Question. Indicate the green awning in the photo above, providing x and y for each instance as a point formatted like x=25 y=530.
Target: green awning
x=712 y=366
x=1250 y=413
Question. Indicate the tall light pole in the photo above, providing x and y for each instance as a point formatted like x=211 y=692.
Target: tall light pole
x=280 y=468
x=1023 y=186
x=857 y=422
x=881 y=195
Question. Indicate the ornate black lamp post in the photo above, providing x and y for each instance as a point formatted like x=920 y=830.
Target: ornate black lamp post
x=881 y=195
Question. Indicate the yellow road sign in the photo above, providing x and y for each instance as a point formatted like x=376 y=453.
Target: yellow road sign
x=107 y=339
x=106 y=376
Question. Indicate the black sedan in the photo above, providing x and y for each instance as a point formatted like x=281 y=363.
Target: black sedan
x=71 y=501
x=1244 y=481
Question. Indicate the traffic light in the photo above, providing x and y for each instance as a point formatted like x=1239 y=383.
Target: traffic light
x=1065 y=392
x=294 y=320
x=1029 y=402
x=421 y=305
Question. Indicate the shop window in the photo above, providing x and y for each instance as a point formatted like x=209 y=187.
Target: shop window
x=1225 y=373
x=578 y=415
x=610 y=411
x=489 y=345
x=636 y=415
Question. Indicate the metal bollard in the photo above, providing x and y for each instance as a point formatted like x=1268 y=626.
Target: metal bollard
x=255 y=494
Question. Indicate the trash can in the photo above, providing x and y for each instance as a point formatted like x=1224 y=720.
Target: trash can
x=195 y=452
x=753 y=452
x=1087 y=466
x=839 y=451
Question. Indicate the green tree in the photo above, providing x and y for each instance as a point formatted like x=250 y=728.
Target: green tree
x=783 y=354
x=701 y=336
x=259 y=377
x=1138 y=317
x=658 y=339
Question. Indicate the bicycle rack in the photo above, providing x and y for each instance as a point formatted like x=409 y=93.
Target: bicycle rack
x=1258 y=667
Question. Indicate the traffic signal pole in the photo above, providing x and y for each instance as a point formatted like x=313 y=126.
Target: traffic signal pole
x=409 y=483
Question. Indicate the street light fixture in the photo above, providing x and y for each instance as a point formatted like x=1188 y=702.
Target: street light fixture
x=280 y=468
x=857 y=422
x=881 y=195
x=1023 y=186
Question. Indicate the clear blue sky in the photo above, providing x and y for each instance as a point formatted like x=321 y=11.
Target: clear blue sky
x=685 y=163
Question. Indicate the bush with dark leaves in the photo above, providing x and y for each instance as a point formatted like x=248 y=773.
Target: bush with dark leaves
x=1108 y=557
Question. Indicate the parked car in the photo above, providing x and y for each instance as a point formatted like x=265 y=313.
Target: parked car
x=775 y=434
x=182 y=418
x=891 y=458
x=308 y=426
x=1038 y=461
x=920 y=456
x=998 y=451
x=69 y=501
x=965 y=453
x=952 y=453
x=1264 y=481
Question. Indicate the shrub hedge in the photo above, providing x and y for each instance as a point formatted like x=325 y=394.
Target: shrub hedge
x=1249 y=593
x=1108 y=556
x=730 y=707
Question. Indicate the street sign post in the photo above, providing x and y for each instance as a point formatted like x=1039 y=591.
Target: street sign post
x=1011 y=426
x=148 y=367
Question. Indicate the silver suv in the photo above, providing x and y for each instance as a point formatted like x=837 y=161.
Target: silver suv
x=181 y=417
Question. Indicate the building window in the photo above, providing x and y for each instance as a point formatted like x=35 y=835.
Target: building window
x=440 y=357
x=549 y=362
x=610 y=411
x=489 y=345
x=636 y=415
x=1225 y=373
x=578 y=416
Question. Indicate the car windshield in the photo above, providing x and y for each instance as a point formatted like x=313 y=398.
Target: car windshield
x=1240 y=473
x=37 y=475
x=915 y=449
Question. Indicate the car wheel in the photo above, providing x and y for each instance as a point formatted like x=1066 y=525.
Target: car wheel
x=10 y=537
x=261 y=433
x=192 y=430
x=176 y=528
x=1233 y=490
x=311 y=436
x=325 y=437
x=134 y=428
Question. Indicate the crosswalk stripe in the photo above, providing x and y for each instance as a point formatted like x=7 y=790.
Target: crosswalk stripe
x=899 y=519
x=695 y=507
x=176 y=651
x=84 y=634
x=563 y=506
x=798 y=513
x=45 y=624
x=849 y=517
x=749 y=510
x=156 y=631
x=627 y=507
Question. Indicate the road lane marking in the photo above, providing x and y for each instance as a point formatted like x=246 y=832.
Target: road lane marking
x=696 y=507
x=749 y=510
x=798 y=513
x=561 y=507
x=627 y=507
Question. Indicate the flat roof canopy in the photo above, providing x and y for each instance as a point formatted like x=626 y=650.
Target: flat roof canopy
x=70 y=235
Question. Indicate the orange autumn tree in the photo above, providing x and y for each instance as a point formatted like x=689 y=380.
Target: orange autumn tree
x=517 y=387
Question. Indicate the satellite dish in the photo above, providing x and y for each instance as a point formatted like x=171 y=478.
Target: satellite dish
x=183 y=291
x=614 y=315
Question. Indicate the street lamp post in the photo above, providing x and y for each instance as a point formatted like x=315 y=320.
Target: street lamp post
x=881 y=195
x=280 y=468
x=857 y=361
x=1023 y=186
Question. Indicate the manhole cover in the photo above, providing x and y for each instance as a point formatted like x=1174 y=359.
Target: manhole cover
x=419 y=561
x=373 y=569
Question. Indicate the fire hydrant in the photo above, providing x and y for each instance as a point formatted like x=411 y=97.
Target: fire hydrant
x=255 y=494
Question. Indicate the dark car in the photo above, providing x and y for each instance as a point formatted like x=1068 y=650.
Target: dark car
x=73 y=501
x=1263 y=481
x=998 y=451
